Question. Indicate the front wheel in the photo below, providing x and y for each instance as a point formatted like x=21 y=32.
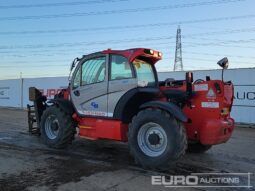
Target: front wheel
x=156 y=139
x=57 y=127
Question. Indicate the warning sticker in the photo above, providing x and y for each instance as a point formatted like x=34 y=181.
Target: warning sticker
x=210 y=104
x=201 y=87
x=96 y=113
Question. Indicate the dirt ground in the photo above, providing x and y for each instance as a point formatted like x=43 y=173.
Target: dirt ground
x=27 y=164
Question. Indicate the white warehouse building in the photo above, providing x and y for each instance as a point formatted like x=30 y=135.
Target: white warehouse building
x=14 y=93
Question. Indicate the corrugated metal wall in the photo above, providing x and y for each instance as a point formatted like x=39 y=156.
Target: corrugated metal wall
x=14 y=93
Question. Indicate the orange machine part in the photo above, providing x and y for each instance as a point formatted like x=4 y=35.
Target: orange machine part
x=93 y=128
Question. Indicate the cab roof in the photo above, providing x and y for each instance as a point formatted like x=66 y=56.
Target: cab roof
x=143 y=53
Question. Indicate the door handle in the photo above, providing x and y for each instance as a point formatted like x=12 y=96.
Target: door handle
x=76 y=92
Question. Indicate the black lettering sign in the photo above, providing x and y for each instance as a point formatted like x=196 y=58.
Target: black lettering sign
x=250 y=95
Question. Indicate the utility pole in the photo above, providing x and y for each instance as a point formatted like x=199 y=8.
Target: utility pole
x=178 y=65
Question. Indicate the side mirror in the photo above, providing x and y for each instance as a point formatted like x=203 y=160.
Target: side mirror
x=223 y=63
x=73 y=64
x=189 y=80
x=189 y=77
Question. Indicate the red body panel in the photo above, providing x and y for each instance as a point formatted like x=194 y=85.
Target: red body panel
x=209 y=125
x=131 y=54
x=213 y=131
x=94 y=128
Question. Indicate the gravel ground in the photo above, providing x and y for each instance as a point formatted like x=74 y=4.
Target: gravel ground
x=27 y=164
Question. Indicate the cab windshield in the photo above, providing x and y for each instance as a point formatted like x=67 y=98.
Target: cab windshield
x=145 y=73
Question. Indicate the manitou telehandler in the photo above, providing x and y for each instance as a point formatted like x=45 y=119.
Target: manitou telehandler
x=116 y=95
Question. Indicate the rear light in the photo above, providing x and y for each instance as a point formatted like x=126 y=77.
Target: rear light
x=153 y=53
x=211 y=94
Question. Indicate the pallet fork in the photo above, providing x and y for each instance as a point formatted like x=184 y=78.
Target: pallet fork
x=35 y=111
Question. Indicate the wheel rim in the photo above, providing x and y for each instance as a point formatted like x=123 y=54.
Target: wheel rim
x=51 y=127
x=152 y=139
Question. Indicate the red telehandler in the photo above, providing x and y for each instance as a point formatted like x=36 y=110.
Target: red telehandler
x=116 y=95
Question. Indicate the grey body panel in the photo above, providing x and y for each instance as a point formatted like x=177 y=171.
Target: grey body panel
x=117 y=88
x=93 y=97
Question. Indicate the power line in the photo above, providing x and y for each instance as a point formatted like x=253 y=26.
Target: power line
x=87 y=43
x=144 y=9
x=61 y=51
x=36 y=61
x=35 y=75
x=223 y=32
x=224 y=41
x=228 y=31
x=127 y=27
x=44 y=5
x=163 y=48
x=193 y=44
x=76 y=51
x=67 y=65
x=34 y=66
x=219 y=55
x=210 y=60
x=35 y=46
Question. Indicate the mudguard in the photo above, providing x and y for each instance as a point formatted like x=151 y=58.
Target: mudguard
x=167 y=106
x=129 y=103
x=64 y=104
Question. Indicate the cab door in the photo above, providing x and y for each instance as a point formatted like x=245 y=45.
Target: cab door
x=89 y=86
x=121 y=79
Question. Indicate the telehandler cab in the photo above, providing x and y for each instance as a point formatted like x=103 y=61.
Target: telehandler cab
x=116 y=95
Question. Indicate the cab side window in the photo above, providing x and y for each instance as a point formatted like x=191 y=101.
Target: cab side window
x=77 y=79
x=93 y=71
x=120 y=68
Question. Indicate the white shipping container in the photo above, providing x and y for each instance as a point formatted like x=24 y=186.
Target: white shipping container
x=10 y=93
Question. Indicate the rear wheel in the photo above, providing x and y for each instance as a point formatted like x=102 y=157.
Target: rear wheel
x=198 y=148
x=156 y=139
x=57 y=127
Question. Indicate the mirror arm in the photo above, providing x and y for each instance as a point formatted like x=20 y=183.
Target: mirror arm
x=222 y=74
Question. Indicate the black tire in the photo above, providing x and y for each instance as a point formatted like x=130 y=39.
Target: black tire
x=174 y=131
x=198 y=148
x=66 y=128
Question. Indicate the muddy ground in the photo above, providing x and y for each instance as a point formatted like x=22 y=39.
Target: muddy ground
x=26 y=164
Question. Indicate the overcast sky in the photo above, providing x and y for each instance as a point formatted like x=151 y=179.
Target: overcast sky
x=41 y=38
